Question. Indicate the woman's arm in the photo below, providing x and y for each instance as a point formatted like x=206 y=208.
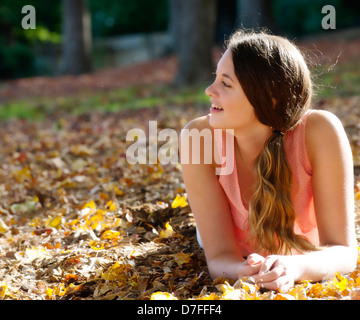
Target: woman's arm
x=212 y=213
x=333 y=189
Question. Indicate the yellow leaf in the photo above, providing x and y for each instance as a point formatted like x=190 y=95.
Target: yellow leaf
x=179 y=202
x=95 y=219
x=118 y=191
x=168 y=232
x=116 y=272
x=298 y=292
x=357 y=281
x=3 y=289
x=211 y=296
x=110 y=234
x=70 y=277
x=49 y=292
x=96 y=245
x=23 y=174
x=168 y=226
x=91 y=204
x=182 y=258
x=55 y=222
x=357 y=196
x=162 y=296
x=341 y=285
x=111 y=205
x=59 y=290
x=317 y=290
x=3 y=226
x=35 y=222
x=284 y=296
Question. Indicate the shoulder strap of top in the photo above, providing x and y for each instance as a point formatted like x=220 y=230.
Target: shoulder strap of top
x=296 y=143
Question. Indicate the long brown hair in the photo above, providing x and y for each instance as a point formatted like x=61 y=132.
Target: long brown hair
x=277 y=83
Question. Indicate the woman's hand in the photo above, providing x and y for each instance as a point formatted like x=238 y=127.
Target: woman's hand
x=251 y=265
x=276 y=273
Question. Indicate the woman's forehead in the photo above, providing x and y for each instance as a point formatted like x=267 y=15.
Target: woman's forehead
x=226 y=63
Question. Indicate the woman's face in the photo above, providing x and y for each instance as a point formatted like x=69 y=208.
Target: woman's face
x=226 y=93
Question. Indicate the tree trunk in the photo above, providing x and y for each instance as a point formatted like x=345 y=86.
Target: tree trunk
x=77 y=42
x=193 y=34
x=255 y=13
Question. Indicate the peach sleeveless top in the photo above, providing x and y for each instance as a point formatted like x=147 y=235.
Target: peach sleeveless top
x=301 y=192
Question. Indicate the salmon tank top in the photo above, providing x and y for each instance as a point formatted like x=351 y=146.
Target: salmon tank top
x=301 y=191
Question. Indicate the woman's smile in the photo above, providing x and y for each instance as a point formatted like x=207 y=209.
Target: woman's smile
x=215 y=109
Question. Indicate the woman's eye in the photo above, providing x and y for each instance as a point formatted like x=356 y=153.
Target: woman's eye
x=226 y=85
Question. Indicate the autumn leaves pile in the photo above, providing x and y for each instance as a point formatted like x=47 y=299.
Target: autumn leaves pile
x=78 y=222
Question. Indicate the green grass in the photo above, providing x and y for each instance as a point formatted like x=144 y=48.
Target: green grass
x=20 y=109
x=340 y=81
x=132 y=98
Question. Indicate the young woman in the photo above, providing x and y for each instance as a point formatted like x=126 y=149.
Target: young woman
x=286 y=212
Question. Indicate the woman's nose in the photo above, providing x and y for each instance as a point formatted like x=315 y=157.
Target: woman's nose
x=210 y=91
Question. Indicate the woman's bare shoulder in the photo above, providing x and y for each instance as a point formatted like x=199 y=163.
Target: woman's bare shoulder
x=199 y=123
x=322 y=117
x=322 y=123
x=324 y=131
x=196 y=143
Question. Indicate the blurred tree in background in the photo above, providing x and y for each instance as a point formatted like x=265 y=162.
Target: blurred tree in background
x=18 y=47
x=193 y=26
x=77 y=42
x=256 y=13
x=117 y=17
x=17 y=59
x=108 y=18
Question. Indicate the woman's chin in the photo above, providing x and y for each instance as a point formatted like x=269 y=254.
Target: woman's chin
x=215 y=123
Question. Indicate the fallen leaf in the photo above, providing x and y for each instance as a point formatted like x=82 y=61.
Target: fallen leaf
x=162 y=296
x=182 y=258
x=3 y=226
x=168 y=232
x=110 y=235
x=179 y=201
x=35 y=253
x=96 y=245
x=54 y=222
x=3 y=289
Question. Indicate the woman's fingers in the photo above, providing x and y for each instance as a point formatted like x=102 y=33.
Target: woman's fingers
x=267 y=264
x=254 y=258
x=271 y=275
x=250 y=267
x=280 y=284
x=270 y=270
x=274 y=274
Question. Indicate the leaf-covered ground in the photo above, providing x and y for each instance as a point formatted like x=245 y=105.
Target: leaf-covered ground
x=78 y=222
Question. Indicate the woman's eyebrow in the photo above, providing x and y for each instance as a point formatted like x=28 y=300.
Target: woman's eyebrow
x=227 y=76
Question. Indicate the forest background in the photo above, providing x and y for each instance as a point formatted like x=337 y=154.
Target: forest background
x=77 y=221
